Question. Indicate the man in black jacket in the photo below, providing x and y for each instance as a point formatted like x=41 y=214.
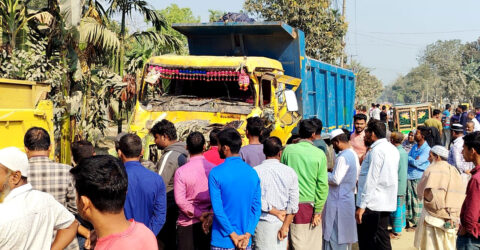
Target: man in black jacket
x=174 y=155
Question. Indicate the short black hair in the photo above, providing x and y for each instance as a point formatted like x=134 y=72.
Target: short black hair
x=472 y=140
x=272 y=146
x=307 y=128
x=347 y=133
x=448 y=106
x=384 y=107
x=342 y=137
x=103 y=180
x=165 y=127
x=359 y=117
x=81 y=150
x=436 y=112
x=463 y=107
x=195 y=143
x=36 y=139
x=292 y=138
x=231 y=138
x=255 y=126
x=213 y=136
x=264 y=134
x=373 y=104
x=130 y=145
x=424 y=130
x=378 y=105
x=378 y=128
x=319 y=125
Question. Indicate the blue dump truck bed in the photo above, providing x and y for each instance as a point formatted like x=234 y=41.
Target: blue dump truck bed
x=326 y=92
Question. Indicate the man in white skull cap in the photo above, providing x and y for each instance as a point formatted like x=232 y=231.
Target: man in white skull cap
x=29 y=217
x=339 y=226
x=443 y=192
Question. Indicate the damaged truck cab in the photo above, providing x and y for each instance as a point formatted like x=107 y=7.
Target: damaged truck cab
x=239 y=70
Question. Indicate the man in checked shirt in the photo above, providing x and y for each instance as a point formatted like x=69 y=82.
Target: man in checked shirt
x=48 y=176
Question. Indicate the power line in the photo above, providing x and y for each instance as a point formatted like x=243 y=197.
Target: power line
x=390 y=41
x=422 y=33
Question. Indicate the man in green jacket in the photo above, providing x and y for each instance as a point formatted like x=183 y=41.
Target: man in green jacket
x=398 y=217
x=310 y=164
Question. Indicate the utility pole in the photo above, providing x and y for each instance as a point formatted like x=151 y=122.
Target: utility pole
x=343 y=37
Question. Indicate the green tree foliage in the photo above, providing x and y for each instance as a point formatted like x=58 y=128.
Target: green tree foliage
x=215 y=15
x=367 y=86
x=14 y=18
x=324 y=27
x=448 y=71
x=125 y=9
x=174 y=14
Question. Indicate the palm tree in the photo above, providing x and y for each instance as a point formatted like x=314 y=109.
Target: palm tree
x=125 y=8
x=14 y=17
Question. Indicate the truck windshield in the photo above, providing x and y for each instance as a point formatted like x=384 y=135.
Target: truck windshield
x=224 y=88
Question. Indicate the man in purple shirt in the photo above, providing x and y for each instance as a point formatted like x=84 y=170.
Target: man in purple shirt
x=146 y=197
x=253 y=154
x=192 y=197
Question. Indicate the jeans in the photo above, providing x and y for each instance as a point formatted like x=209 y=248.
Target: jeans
x=467 y=242
x=81 y=242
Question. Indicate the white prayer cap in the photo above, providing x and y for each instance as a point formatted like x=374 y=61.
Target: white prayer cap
x=440 y=151
x=336 y=133
x=14 y=159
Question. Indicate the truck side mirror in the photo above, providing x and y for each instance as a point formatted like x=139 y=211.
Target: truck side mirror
x=291 y=99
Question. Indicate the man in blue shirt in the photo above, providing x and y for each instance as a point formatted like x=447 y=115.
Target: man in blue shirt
x=235 y=194
x=417 y=163
x=146 y=199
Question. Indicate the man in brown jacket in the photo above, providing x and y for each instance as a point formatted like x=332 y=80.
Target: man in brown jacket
x=443 y=192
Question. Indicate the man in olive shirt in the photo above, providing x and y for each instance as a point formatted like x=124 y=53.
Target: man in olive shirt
x=435 y=121
x=310 y=164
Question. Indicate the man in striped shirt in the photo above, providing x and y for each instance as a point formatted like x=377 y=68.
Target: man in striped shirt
x=279 y=184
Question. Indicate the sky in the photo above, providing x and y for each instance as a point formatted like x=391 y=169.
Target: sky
x=385 y=36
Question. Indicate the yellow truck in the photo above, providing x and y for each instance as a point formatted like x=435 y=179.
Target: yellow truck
x=239 y=70
x=211 y=95
x=22 y=106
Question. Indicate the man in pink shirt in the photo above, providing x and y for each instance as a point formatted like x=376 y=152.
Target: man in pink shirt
x=212 y=154
x=356 y=138
x=101 y=184
x=192 y=197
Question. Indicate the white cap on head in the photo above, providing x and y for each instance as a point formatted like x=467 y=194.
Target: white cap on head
x=336 y=133
x=440 y=151
x=14 y=159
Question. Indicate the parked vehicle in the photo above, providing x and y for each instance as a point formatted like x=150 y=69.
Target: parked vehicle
x=238 y=70
x=23 y=105
x=408 y=117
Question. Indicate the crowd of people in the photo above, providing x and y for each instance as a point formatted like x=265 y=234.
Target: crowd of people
x=264 y=195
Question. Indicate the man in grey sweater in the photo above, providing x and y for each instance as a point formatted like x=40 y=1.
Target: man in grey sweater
x=174 y=155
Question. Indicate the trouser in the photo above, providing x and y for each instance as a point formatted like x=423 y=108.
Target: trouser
x=390 y=126
x=266 y=236
x=468 y=242
x=192 y=237
x=373 y=232
x=167 y=238
x=446 y=137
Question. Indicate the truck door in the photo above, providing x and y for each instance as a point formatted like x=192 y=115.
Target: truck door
x=285 y=94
